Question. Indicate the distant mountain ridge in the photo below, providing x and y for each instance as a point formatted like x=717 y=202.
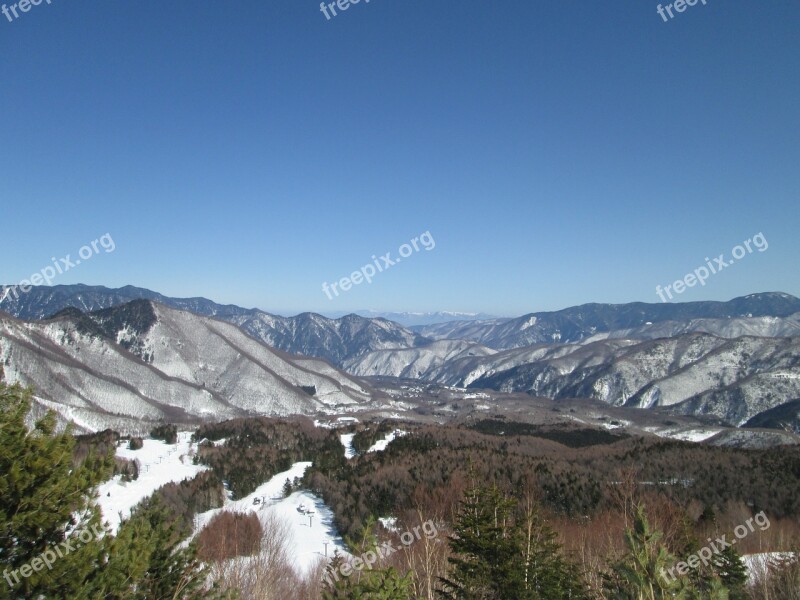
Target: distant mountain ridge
x=421 y=319
x=308 y=334
x=44 y=301
x=578 y=323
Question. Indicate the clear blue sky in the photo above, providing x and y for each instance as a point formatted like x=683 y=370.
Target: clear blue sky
x=558 y=152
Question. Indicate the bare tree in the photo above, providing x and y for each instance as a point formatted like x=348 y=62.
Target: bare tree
x=427 y=557
x=267 y=575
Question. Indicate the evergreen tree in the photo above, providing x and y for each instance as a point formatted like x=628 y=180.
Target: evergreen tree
x=730 y=569
x=374 y=584
x=501 y=552
x=546 y=572
x=646 y=572
x=148 y=551
x=643 y=574
x=47 y=511
x=45 y=505
x=367 y=583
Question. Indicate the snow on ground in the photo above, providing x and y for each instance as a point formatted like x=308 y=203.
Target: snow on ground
x=390 y=523
x=392 y=415
x=758 y=563
x=576 y=419
x=615 y=424
x=335 y=423
x=216 y=443
x=696 y=435
x=347 y=442
x=380 y=445
x=160 y=463
x=308 y=530
x=685 y=435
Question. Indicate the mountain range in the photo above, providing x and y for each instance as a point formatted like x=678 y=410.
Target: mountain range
x=736 y=361
x=309 y=334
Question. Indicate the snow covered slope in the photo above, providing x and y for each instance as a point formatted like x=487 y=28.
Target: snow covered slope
x=726 y=328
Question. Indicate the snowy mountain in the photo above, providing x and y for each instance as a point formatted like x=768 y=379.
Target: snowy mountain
x=309 y=334
x=439 y=363
x=733 y=360
x=695 y=374
x=144 y=362
x=41 y=302
x=581 y=322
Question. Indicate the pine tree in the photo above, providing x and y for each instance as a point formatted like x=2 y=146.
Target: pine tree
x=483 y=548
x=375 y=584
x=546 y=572
x=46 y=503
x=501 y=552
x=646 y=572
x=730 y=569
x=48 y=510
x=148 y=550
x=369 y=583
x=643 y=574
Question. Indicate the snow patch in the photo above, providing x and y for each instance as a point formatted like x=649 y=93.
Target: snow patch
x=347 y=442
x=159 y=464
x=380 y=445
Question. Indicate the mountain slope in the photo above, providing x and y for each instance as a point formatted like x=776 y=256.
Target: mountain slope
x=145 y=361
x=785 y=417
